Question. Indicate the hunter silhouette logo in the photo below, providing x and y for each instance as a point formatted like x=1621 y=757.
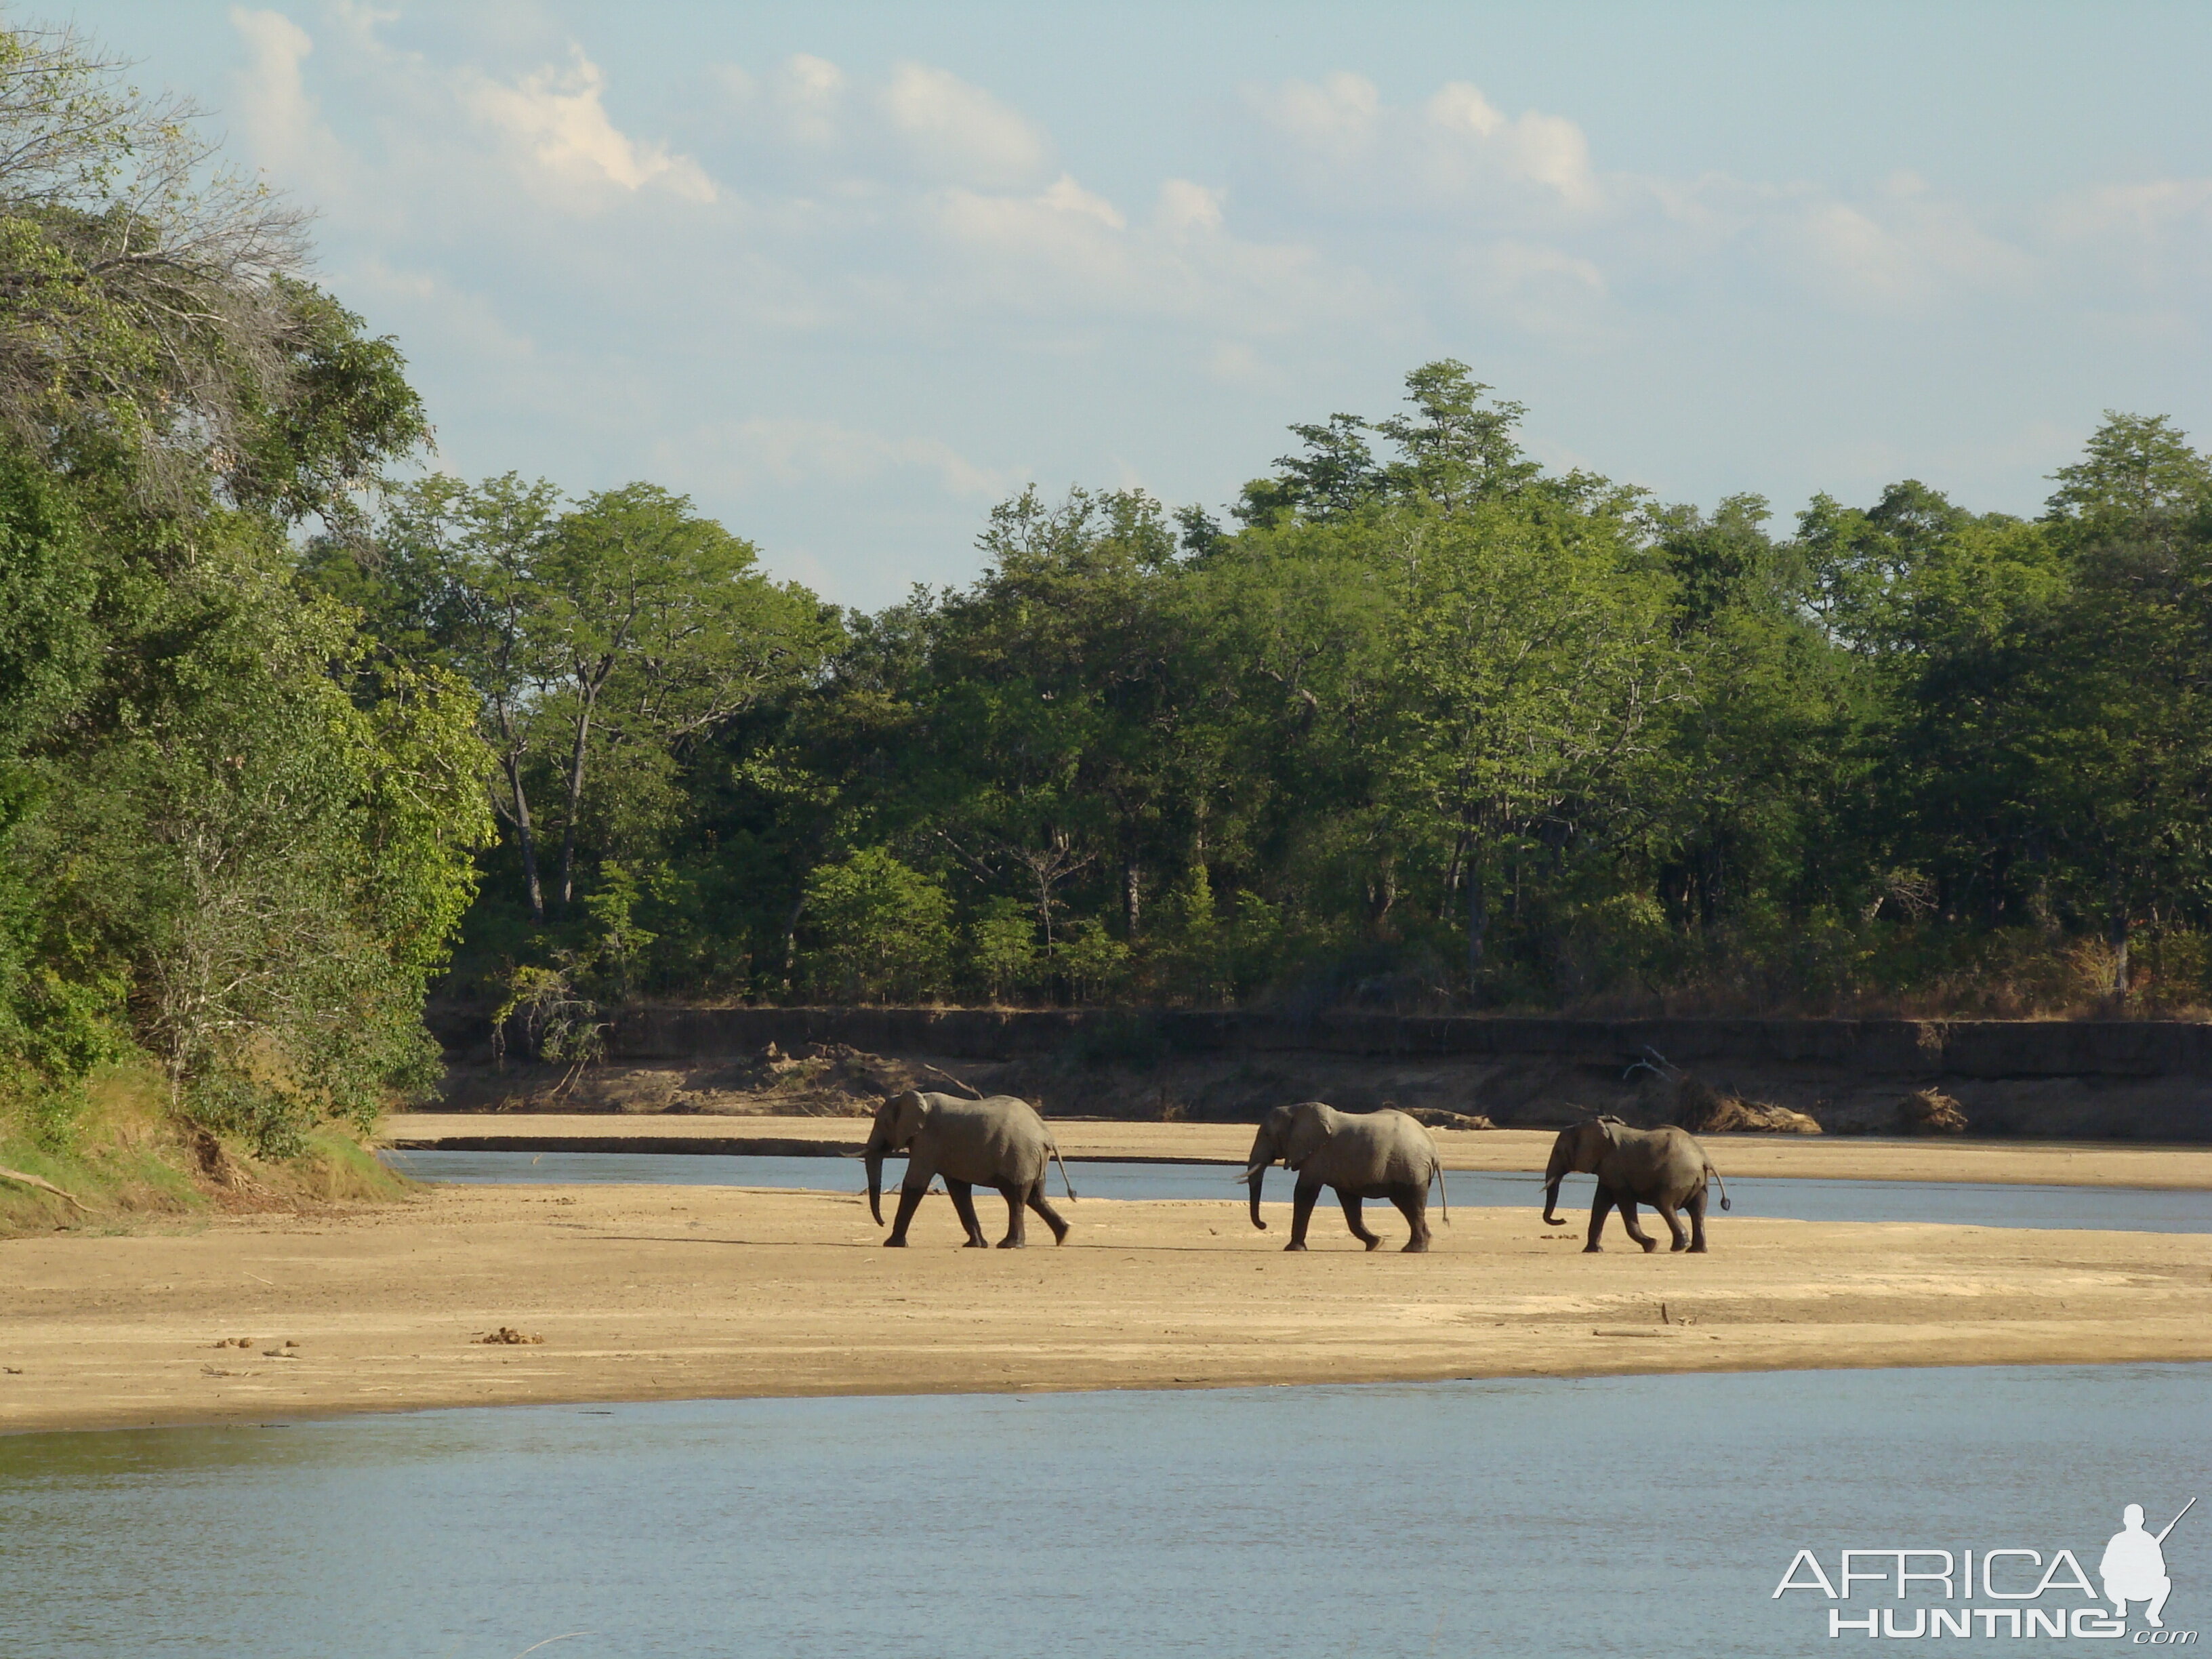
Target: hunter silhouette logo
x=2134 y=1566
x=2132 y=1569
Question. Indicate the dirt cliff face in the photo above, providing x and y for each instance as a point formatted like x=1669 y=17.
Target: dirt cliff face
x=2124 y=1081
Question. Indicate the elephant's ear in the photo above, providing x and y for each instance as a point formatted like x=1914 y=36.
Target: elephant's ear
x=1309 y=1133
x=904 y=1114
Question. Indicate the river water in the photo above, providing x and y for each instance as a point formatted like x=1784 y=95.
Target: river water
x=2128 y=1209
x=1651 y=1515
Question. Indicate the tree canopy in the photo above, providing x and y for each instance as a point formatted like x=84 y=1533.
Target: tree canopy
x=1431 y=726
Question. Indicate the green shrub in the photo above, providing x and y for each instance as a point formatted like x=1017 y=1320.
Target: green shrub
x=880 y=929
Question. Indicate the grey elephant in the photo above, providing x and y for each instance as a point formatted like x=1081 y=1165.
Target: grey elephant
x=997 y=1141
x=1664 y=1168
x=1363 y=1155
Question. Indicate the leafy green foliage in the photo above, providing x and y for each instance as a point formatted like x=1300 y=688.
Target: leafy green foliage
x=1434 y=726
x=883 y=930
x=239 y=835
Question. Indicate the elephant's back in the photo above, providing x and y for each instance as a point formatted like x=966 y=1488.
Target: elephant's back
x=1003 y=1133
x=1400 y=1147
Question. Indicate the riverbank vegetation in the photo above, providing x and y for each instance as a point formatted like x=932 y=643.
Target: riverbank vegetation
x=236 y=830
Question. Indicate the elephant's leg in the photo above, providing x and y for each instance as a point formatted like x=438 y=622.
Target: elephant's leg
x=1015 y=1238
x=1695 y=1203
x=910 y=1200
x=1352 y=1205
x=1627 y=1202
x=1601 y=1203
x=964 y=1203
x=1674 y=1227
x=1038 y=1202
x=1413 y=1203
x=1302 y=1199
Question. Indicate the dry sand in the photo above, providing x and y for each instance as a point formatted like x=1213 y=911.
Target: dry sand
x=1843 y=1158
x=654 y=1292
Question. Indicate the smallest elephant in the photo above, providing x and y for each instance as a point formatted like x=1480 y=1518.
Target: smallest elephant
x=1663 y=1168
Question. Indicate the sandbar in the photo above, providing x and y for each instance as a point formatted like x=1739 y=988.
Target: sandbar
x=649 y=1292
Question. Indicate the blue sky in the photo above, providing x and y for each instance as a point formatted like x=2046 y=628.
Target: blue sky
x=847 y=274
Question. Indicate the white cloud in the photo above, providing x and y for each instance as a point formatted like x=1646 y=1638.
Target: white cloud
x=1543 y=290
x=961 y=132
x=809 y=95
x=1468 y=133
x=271 y=94
x=2147 y=209
x=1184 y=206
x=560 y=116
x=1337 y=117
x=1341 y=139
x=793 y=451
x=2155 y=234
x=1070 y=251
x=1063 y=195
x=1902 y=250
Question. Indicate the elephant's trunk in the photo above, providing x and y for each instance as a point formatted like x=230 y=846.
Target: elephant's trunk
x=1256 y=1175
x=874 y=1155
x=1552 y=1202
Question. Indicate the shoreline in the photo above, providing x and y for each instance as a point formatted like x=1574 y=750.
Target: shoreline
x=648 y=1292
x=2174 y=1167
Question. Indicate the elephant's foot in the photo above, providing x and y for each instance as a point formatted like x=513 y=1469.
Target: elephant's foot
x=977 y=1244
x=895 y=1243
x=1416 y=1247
x=1677 y=1245
x=1373 y=1244
x=1699 y=1248
x=1295 y=1244
x=1649 y=1245
x=1060 y=1236
x=1593 y=1249
x=1013 y=1244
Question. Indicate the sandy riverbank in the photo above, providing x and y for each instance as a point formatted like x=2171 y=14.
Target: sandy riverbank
x=1838 y=1159
x=646 y=1293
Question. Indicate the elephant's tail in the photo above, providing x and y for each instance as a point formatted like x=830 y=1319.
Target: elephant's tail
x=1714 y=1175
x=1437 y=1175
x=1063 y=1181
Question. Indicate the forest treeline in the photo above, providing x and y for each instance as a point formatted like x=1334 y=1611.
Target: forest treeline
x=1419 y=724
x=292 y=733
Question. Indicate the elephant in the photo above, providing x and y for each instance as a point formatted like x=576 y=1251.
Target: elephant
x=1664 y=1168
x=1363 y=1155
x=997 y=1141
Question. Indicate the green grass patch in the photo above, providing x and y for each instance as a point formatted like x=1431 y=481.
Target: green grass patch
x=112 y=1144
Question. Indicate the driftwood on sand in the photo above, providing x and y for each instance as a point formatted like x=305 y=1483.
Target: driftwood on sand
x=42 y=1184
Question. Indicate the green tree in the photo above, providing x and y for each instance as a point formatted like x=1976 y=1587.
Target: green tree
x=882 y=928
x=1002 y=946
x=2121 y=748
x=1536 y=658
x=236 y=835
x=653 y=627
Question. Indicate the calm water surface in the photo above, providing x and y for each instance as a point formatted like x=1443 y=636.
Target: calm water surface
x=1644 y=1516
x=2129 y=1209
